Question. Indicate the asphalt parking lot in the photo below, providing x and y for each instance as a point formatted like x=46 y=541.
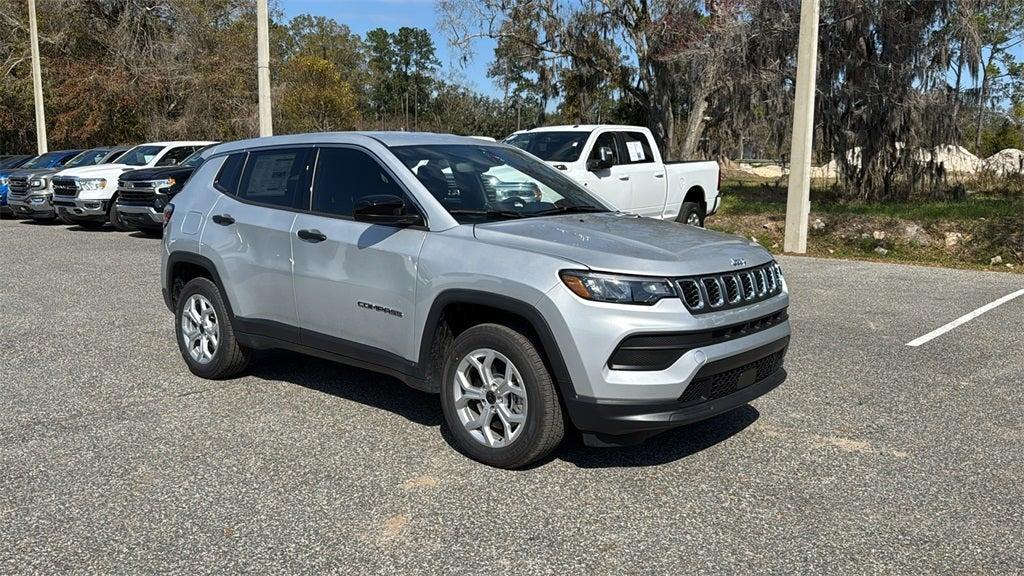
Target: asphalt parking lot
x=873 y=457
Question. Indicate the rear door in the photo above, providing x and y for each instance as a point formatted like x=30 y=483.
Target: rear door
x=355 y=283
x=646 y=175
x=249 y=232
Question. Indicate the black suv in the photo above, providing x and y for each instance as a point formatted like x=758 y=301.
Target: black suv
x=143 y=194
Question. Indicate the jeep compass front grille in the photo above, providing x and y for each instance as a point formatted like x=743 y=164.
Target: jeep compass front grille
x=725 y=383
x=722 y=291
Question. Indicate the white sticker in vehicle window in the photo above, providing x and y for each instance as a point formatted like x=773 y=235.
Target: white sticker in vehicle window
x=636 y=151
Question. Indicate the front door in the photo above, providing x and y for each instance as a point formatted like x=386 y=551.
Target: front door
x=609 y=184
x=355 y=283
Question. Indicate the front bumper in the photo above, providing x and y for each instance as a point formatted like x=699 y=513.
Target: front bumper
x=33 y=205
x=718 y=388
x=141 y=216
x=78 y=208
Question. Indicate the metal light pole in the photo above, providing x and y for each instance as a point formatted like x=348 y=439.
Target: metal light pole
x=798 y=204
x=263 y=68
x=37 y=79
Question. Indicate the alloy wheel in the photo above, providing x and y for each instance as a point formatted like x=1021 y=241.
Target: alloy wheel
x=490 y=398
x=199 y=329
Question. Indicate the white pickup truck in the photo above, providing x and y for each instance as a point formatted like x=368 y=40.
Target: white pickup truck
x=87 y=196
x=623 y=166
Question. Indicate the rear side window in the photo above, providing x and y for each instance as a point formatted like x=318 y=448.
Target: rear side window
x=638 y=149
x=176 y=155
x=344 y=175
x=277 y=178
x=230 y=173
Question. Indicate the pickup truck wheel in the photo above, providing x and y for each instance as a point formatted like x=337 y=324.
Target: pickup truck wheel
x=498 y=398
x=204 y=332
x=117 y=221
x=691 y=213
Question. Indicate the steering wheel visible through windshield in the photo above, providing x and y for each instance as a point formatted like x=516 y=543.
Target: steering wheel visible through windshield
x=475 y=182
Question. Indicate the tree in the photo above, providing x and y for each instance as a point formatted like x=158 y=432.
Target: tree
x=315 y=98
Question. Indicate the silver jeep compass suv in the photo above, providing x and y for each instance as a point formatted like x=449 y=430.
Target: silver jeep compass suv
x=471 y=269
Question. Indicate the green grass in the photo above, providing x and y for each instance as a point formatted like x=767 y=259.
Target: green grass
x=743 y=199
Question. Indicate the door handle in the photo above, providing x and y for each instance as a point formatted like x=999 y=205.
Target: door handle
x=223 y=219
x=623 y=177
x=313 y=235
x=659 y=175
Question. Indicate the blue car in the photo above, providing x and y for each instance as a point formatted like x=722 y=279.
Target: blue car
x=9 y=164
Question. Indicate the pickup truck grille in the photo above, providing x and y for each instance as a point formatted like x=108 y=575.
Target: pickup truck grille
x=135 y=192
x=18 y=186
x=65 y=187
x=729 y=290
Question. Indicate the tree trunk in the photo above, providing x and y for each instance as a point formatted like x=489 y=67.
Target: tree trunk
x=694 y=124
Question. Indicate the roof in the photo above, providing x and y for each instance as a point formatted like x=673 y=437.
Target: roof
x=580 y=128
x=179 y=143
x=385 y=138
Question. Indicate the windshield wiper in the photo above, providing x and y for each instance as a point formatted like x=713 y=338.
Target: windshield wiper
x=570 y=210
x=492 y=213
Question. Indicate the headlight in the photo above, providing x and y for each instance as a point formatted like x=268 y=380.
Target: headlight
x=92 y=184
x=4 y=181
x=617 y=289
x=37 y=183
x=167 y=183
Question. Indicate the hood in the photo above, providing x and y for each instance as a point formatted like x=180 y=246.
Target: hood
x=176 y=172
x=34 y=172
x=615 y=242
x=97 y=171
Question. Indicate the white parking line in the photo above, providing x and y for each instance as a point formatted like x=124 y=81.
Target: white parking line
x=964 y=319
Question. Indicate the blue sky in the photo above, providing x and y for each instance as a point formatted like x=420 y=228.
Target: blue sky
x=364 y=15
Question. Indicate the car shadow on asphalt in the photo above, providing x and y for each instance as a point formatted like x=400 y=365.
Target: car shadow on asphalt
x=386 y=393
x=375 y=390
x=664 y=448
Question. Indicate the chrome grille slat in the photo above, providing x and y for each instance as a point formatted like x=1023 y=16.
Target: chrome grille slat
x=732 y=289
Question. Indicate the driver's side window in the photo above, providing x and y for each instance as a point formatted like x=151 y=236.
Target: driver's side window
x=605 y=141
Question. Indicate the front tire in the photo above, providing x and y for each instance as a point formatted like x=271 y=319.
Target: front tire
x=116 y=220
x=205 y=334
x=691 y=213
x=498 y=398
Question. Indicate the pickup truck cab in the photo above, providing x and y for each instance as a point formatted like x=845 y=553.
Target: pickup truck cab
x=31 y=192
x=395 y=252
x=85 y=196
x=623 y=166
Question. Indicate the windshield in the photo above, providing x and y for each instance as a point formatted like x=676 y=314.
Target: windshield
x=47 y=160
x=140 y=155
x=196 y=158
x=477 y=183
x=551 y=146
x=12 y=162
x=88 y=158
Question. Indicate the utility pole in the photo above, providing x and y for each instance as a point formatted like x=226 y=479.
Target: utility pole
x=798 y=204
x=37 y=79
x=263 y=67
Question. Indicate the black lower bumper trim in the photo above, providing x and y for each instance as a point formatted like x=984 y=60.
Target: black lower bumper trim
x=614 y=418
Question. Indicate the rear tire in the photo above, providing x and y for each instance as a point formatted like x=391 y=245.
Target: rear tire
x=205 y=334
x=691 y=213
x=510 y=419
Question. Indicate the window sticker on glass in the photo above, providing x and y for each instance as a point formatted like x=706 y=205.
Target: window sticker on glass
x=636 y=151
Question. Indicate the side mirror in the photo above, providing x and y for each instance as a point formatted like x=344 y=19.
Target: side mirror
x=384 y=209
x=604 y=161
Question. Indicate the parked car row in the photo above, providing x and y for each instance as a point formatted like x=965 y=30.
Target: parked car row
x=126 y=187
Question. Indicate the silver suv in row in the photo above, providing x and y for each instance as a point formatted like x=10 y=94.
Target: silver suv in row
x=399 y=253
